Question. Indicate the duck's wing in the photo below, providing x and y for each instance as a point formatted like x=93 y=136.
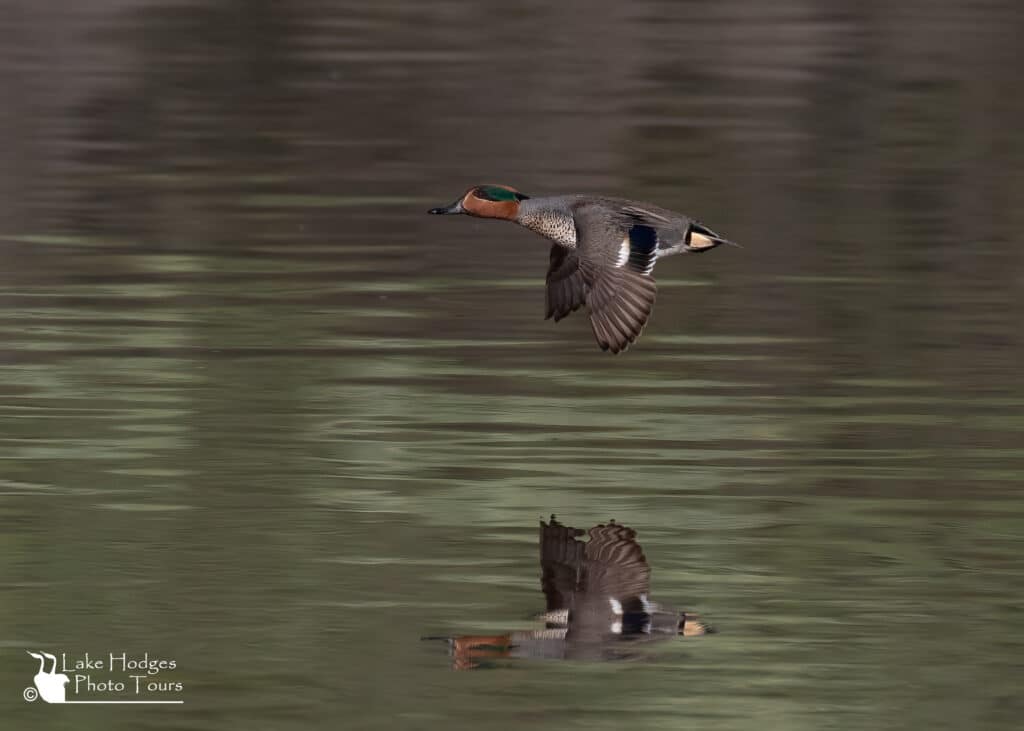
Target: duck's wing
x=614 y=564
x=617 y=250
x=561 y=564
x=611 y=565
x=613 y=587
x=566 y=288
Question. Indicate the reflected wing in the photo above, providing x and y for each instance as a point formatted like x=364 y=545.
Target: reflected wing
x=566 y=289
x=611 y=565
x=561 y=561
x=611 y=580
x=614 y=565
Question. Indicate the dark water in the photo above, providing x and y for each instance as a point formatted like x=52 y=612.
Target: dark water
x=263 y=417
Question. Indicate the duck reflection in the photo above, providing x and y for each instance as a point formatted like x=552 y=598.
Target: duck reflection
x=598 y=605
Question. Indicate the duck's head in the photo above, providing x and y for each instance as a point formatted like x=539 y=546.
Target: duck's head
x=486 y=201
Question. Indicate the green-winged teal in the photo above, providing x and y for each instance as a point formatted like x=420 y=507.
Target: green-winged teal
x=597 y=596
x=603 y=254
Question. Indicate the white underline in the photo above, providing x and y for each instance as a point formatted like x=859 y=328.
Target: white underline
x=111 y=702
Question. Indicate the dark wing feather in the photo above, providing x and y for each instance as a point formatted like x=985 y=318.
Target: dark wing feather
x=614 y=564
x=620 y=302
x=610 y=564
x=561 y=563
x=613 y=576
x=566 y=289
x=620 y=298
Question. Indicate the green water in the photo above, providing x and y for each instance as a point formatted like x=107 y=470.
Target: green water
x=261 y=415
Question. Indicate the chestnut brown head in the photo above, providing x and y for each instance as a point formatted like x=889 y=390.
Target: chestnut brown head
x=486 y=201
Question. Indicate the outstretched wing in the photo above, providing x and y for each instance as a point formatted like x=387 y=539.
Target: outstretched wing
x=620 y=302
x=614 y=565
x=566 y=289
x=601 y=580
x=610 y=565
x=561 y=562
x=617 y=253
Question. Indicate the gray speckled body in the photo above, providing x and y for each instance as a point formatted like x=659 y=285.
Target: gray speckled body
x=602 y=221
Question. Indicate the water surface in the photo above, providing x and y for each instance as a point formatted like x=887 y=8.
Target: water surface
x=262 y=415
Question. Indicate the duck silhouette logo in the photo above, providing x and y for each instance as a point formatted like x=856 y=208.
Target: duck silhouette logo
x=49 y=685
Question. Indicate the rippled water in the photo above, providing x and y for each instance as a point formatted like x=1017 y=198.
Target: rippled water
x=261 y=415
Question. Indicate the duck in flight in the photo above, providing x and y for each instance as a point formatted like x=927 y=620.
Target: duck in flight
x=602 y=255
